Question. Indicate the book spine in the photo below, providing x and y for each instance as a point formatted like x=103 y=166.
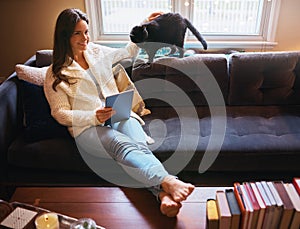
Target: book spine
x=288 y=208
x=296 y=183
x=261 y=204
x=295 y=198
x=223 y=210
x=240 y=199
x=249 y=207
x=269 y=209
x=254 y=204
x=234 y=209
x=278 y=205
x=212 y=217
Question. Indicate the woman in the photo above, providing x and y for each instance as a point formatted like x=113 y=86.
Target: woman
x=75 y=86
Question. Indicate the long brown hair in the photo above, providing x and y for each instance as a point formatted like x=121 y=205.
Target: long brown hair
x=62 y=52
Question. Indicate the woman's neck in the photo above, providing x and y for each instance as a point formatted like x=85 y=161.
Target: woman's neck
x=79 y=58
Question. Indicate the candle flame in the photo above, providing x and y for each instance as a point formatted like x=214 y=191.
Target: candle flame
x=46 y=217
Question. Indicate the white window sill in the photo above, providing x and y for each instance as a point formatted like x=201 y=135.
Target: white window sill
x=261 y=45
x=234 y=44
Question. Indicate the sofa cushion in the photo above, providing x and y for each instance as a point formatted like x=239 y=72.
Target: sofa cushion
x=270 y=78
x=194 y=76
x=259 y=141
x=43 y=57
x=266 y=142
x=54 y=154
x=39 y=124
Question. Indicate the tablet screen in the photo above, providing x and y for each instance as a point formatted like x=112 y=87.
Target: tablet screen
x=122 y=104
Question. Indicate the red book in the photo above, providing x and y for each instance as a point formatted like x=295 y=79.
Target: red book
x=240 y=199
x=261 y=204
x=296 y=183
x=253 y=200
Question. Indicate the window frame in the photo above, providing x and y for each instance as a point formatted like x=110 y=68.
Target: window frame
x=265 y=40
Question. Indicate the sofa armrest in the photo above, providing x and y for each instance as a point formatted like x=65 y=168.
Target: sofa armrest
x=11 y=115
x=9 y=121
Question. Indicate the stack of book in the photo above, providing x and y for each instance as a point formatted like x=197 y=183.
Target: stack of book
x=259 y=204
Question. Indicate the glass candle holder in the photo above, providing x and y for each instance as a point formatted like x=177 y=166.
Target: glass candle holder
x=47 y=221
x=84 y=223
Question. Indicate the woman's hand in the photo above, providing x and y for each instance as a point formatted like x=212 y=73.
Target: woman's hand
x=104 y=113
x=154 y=15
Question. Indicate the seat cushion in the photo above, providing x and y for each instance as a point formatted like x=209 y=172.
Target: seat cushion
x=54 y=154
x=252 y=142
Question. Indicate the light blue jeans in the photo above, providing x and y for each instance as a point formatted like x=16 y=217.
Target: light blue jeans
x=125 y=143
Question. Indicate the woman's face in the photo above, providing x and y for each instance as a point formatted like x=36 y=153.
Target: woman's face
x=80 y=37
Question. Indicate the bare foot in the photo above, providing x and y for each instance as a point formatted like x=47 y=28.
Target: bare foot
x=168 y=206
x=177 y=188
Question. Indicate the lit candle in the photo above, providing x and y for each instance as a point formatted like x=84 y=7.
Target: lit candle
x=47 y=221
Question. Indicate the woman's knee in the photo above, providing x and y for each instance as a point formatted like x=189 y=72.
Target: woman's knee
x=133 y=129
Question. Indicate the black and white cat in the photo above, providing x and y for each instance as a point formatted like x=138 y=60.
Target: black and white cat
x=167 y=30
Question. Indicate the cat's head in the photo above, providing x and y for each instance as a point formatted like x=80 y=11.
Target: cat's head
x=138 y=34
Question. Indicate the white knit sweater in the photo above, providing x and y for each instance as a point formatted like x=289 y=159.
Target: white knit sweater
x=75 y=105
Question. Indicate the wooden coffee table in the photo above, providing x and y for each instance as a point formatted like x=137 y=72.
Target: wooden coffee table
x=117 y=208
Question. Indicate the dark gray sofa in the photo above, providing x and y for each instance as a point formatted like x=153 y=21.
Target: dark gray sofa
x=240 y=110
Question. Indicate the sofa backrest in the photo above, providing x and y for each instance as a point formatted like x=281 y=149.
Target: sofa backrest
x=173 y=80
x=43 y=57
x=270 y=78
x=250 y=78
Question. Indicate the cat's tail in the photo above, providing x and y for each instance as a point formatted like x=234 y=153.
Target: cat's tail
x=196 y=33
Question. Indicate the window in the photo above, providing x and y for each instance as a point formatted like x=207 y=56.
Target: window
x=224 y=23
x=236 y=17
x=119 y=16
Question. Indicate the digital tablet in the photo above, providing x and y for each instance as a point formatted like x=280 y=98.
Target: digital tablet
x=122 y=104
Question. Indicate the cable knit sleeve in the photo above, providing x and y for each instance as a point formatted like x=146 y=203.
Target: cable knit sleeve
x=131 y=50
x=61 y=108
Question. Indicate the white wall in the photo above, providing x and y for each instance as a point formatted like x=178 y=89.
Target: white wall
x=288 y=29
